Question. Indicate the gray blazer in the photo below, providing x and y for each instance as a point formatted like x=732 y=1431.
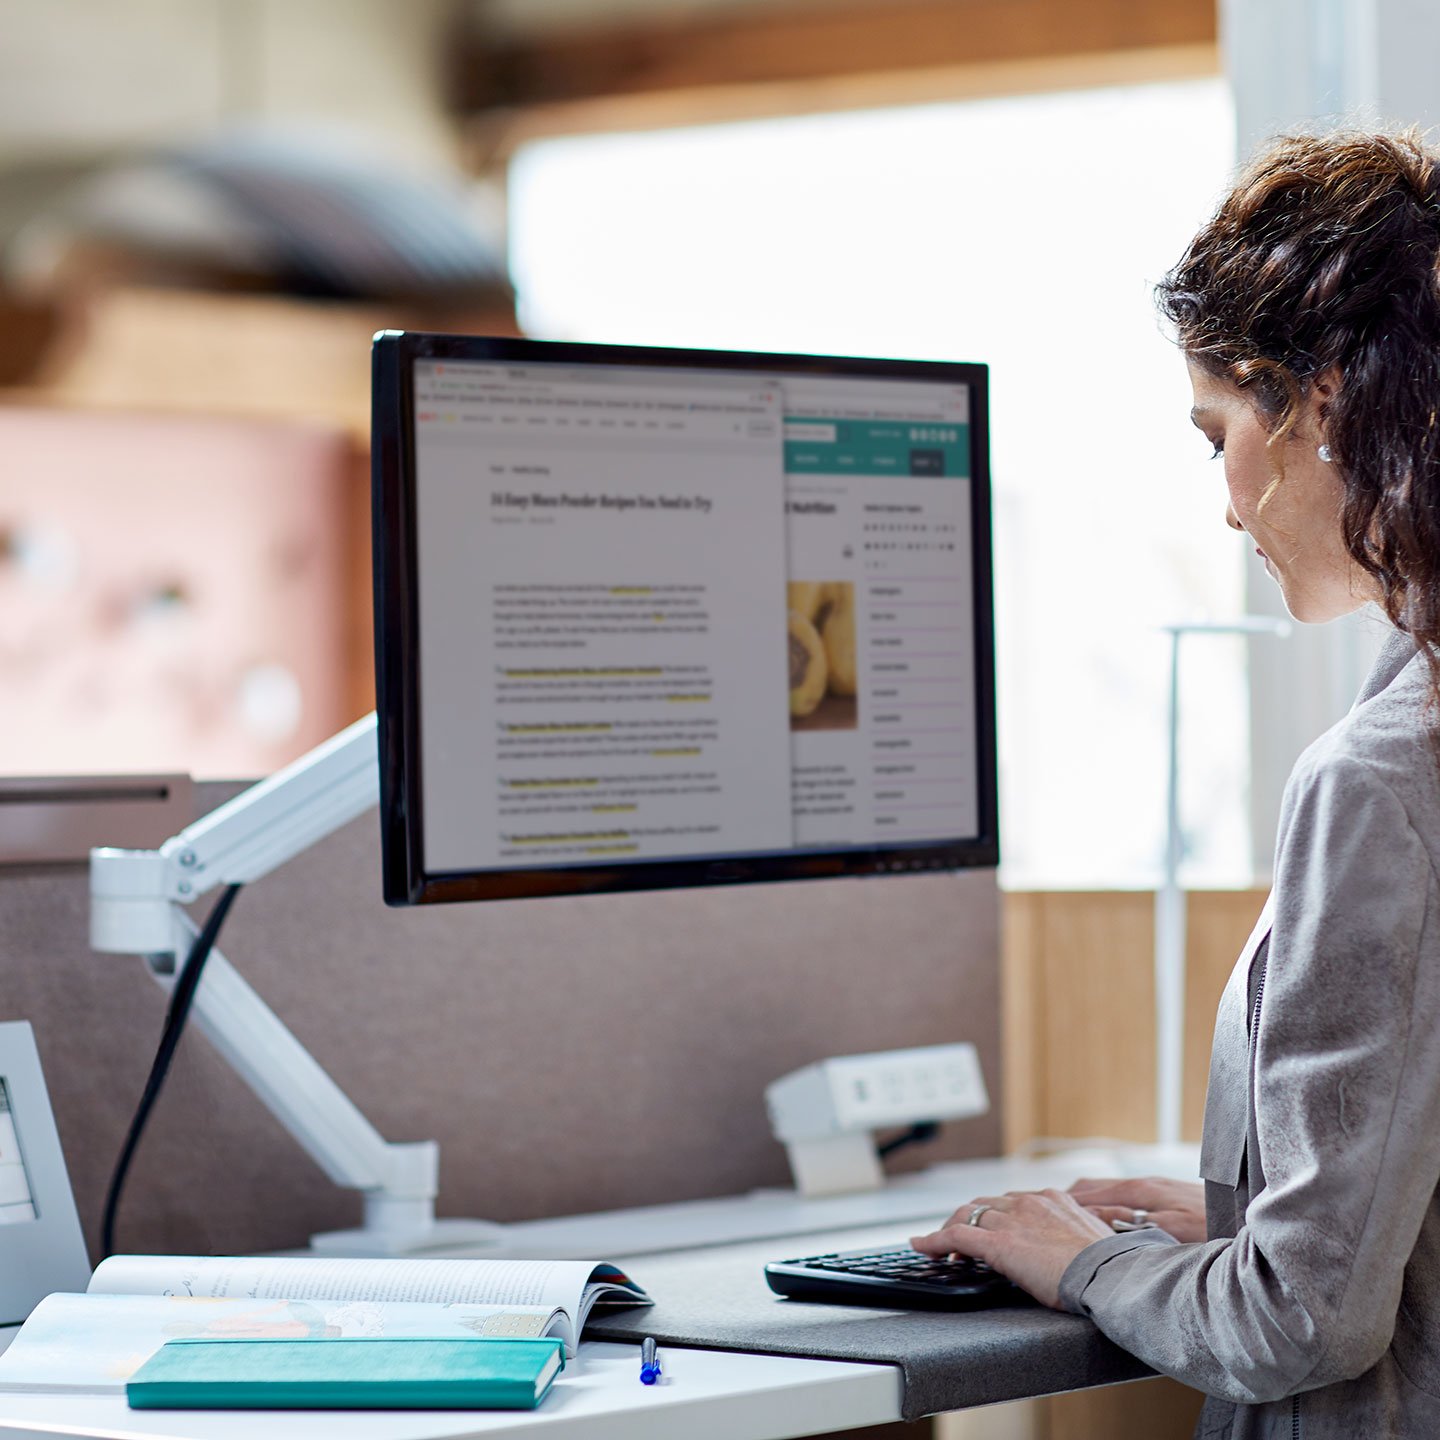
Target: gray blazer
x=1314 y=1308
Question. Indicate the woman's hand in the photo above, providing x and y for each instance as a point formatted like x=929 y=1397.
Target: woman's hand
x=1029 y=1236
x=1176 y=1206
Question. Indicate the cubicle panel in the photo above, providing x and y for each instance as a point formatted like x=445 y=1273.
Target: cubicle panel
x=568 y=1054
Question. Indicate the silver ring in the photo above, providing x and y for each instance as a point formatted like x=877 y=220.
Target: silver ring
x=1139 y=1217
x=976 y=1213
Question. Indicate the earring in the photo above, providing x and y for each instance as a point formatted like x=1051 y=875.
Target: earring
x=1324 y=453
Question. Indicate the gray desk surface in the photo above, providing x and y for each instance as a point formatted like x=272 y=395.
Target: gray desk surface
x=717 y=1298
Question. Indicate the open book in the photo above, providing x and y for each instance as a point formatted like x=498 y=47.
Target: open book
x=93 y=1343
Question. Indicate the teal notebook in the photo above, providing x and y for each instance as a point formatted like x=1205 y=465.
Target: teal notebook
x=411 y=1374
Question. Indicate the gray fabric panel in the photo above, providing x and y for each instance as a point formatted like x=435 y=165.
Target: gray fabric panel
x=718 y=1300
x=570 y=1055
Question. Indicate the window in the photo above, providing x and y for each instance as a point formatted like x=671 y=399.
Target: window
x=1025 y=232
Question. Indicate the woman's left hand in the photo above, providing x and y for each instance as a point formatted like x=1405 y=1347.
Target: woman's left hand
x=1029 y=1236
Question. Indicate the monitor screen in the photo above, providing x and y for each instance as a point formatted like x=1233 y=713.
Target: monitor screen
x=651 y=617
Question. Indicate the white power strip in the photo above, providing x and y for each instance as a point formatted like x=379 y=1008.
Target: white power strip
x=825 y=1113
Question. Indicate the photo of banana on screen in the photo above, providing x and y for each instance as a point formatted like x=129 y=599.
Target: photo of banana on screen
x=822 y=655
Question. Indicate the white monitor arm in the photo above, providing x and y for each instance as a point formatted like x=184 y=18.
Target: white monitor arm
x=136 y=908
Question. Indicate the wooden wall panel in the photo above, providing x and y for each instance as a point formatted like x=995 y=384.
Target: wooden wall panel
x=1096 y=1038
x=1154 y=1409
x=1219 y=922
x=1022 y=997
x=1079 y=1002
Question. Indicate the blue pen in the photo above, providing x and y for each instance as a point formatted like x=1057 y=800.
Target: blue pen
x=649 y=1362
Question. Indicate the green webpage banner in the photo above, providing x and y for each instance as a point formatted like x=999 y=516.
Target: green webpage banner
x=820 y=445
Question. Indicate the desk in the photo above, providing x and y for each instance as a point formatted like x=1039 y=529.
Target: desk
x=706 y=1395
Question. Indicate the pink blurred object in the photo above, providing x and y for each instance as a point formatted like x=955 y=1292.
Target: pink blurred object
x=172 y=592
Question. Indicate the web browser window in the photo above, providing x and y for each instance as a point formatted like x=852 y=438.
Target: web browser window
x=670 y=613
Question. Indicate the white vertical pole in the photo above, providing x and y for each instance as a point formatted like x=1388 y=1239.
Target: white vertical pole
x=1170 y=934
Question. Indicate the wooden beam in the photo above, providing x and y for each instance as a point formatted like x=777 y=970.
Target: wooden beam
x=491 y=137
x=767 y=47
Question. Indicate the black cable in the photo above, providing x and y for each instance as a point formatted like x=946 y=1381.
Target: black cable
x=182 y=995
x=920 y=1133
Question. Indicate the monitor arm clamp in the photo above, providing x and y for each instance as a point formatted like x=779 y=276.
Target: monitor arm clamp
x=137 y=907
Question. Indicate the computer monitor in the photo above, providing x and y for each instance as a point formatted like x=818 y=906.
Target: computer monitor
x=650 y=617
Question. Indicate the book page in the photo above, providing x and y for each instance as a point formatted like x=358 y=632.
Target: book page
x=508 y=1284
x=92 y=1344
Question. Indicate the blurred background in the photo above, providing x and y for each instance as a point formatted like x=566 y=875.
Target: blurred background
x=208 y=206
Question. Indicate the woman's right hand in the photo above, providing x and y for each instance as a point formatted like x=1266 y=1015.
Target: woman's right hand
x=1176 y=1206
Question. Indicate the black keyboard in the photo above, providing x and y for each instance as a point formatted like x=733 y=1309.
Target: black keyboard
x=898 y=1279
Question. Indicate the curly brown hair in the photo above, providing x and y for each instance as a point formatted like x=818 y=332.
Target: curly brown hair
x=1322 y=263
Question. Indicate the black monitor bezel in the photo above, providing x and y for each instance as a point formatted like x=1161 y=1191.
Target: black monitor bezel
x=406 y=881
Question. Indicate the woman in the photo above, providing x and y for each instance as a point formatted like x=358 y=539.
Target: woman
x=1300 y=1289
